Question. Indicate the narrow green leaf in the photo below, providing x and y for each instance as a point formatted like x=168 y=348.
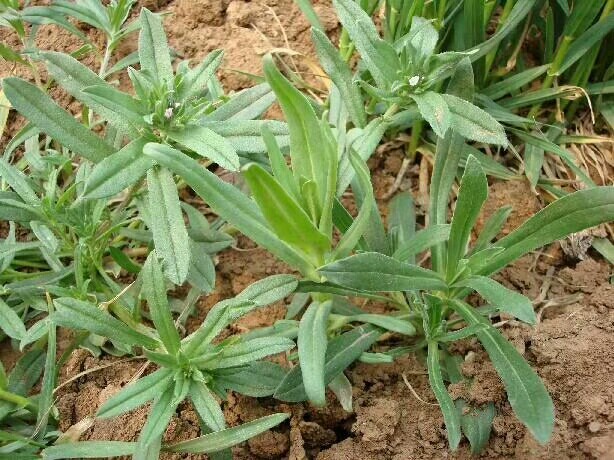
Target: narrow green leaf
x=89 y=449
x=74 y=77
x=169 y=232
x=423 y=240
x=341 y=75
x=45 y=235
x=136 y=394
x=258 y=379
x=251 y=350
x=220 y=440
x=514 y=83
x=201 y=273
x=473 y=122
x=492 y=228
x=389 y=323
x=269 y=290
x=118 y=171
x=306 y=150
x=154 y=53
x=370 y=271
x=123 y=106
x=569 y=214
x=340 y=353
x=363 y=221
x=19 y=182
x=342 y=388
x=10 y=322
x=501 y=298
x=154 y=290
x=196 y=79
x=228 y=202
x=471 y=196
x=248 y=104
x=284 y=215
x=77 y=314
x=434 y=110
x=208 y=144
x=379 y=56
x=159 y=417
x=206 y=406
x=40 y=109
x=280 y=169
x=312 y=343
x=450 y=415
x=525 y=390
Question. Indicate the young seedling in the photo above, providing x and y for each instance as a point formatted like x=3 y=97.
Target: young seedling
x=436 y=296
x=184 y=109
x=196 y=367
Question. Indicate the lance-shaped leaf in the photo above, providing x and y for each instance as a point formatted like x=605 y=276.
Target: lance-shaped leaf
x=10 y=322
x=154 y=53
x=228 y=202
x=525 y=390
x=471 y=196
x=434 y=110
x=473 y=122
x=450 y=415
x=136 y=394
x=118 y=171
x=360 y=225
x=77 y=314
x=312 y=342
x=378 y=55
x=340 y=353
x=340 y=74
x=168 y=227
x=220 y=316
x=159 y=417
x=154 y=290
x=258 y=379
x=74 y=77
x=269 y=290
x=569 y=214
x=220 y=440
x=285 y=215
x=206 y=406
x=309 y=159
x=248 y=351
x=41 y=111
x=19 y=182
x=492 y=228
x=89 y=449
x=207 y=144
x=502 y=298
x=248 y=104
x=371 y=271
x=122 y=105
x=422 y=240
x=196 y=79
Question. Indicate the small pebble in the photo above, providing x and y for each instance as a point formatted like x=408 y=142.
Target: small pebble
x=594 y=427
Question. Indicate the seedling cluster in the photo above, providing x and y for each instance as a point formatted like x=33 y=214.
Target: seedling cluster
x=94 y=199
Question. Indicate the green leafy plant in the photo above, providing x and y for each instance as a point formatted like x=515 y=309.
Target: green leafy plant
x=195 y=367
x=436 y=296
x=185 y=109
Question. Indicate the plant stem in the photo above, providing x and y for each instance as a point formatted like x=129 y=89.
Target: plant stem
x=559 y=57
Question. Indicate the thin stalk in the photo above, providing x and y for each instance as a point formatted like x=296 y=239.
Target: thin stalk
x=559 y=57
x=490 y=57
x=16 y=399
x=416 y=133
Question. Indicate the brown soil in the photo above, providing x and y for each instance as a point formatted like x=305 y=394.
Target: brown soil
x=572 y=347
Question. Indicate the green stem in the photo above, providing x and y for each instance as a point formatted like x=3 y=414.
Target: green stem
x=416 y=133
x=559 y=57
x=16 y=399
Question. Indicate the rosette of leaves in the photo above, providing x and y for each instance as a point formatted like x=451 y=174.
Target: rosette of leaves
x=405 y=76
x=196 y=367
x=292 y=212
x=185 y=109
x=436 y=298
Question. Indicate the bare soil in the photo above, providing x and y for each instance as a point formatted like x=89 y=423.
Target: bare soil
x=572 y=347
